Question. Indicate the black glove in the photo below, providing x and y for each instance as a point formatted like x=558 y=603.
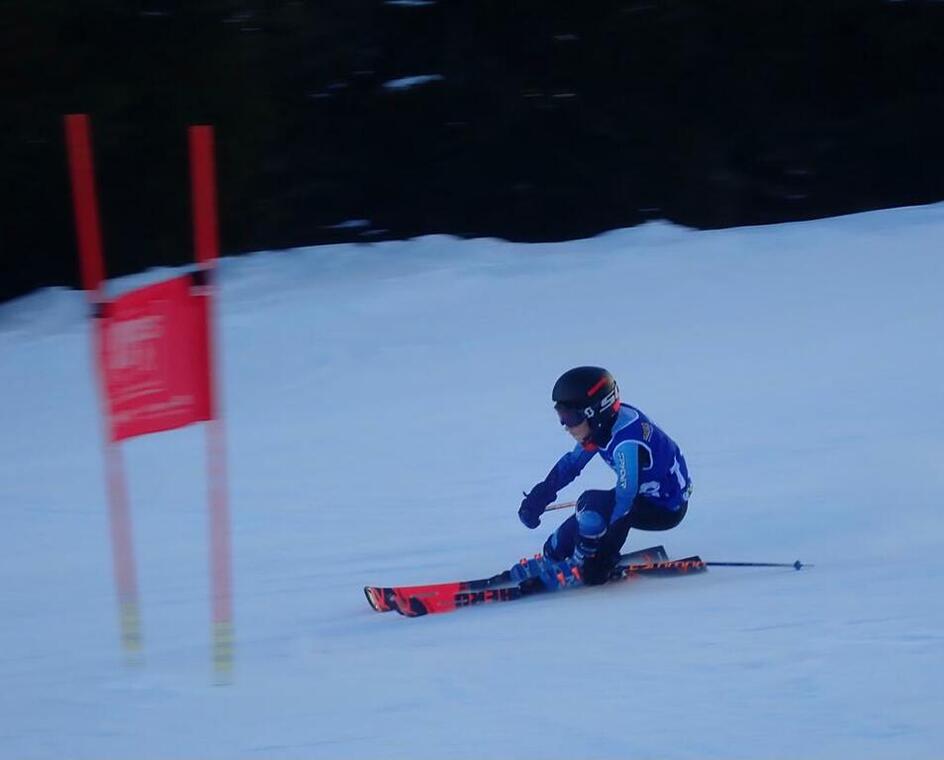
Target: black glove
x=534 y=504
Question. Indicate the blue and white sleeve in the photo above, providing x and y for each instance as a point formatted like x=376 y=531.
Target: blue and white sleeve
x=568 y=467
x=626 y=465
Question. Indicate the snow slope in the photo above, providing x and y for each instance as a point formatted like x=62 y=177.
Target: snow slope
x=386 y=405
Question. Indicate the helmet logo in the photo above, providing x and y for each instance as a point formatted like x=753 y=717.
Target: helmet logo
x=607 y=402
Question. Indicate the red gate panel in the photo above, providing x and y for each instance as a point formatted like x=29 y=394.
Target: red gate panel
x=155 y=359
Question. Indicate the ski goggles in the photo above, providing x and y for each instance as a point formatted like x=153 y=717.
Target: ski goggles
x=570 y=417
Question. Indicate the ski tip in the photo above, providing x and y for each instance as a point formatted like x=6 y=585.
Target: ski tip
x=376 y=598
x=798 y=565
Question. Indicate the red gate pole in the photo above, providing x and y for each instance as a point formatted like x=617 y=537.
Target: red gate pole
x=88 y=234
x=206 y=246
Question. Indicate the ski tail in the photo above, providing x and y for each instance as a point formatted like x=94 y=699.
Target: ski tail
x=640 y=556
x=684 y=566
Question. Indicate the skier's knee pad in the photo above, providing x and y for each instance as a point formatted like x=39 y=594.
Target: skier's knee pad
x=590 y=524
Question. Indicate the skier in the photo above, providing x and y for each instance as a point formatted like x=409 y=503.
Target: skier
x=652 y=482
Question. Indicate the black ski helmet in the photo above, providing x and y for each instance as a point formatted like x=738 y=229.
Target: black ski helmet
x=588 y=393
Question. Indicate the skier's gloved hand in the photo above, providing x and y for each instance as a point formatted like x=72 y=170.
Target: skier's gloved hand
x=534 y=504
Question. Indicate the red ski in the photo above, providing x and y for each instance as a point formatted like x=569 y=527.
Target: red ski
x=387 y=598
x=430 y=603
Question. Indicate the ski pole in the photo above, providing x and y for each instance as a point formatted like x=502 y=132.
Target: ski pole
x=562 y=505
x=795 y=565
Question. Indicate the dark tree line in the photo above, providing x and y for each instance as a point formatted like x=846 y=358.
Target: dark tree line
x=538 y=119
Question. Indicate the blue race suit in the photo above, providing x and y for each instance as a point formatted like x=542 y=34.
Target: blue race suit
x=651 y=493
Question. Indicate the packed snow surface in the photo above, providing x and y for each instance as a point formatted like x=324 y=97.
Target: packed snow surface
x=385 y=406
